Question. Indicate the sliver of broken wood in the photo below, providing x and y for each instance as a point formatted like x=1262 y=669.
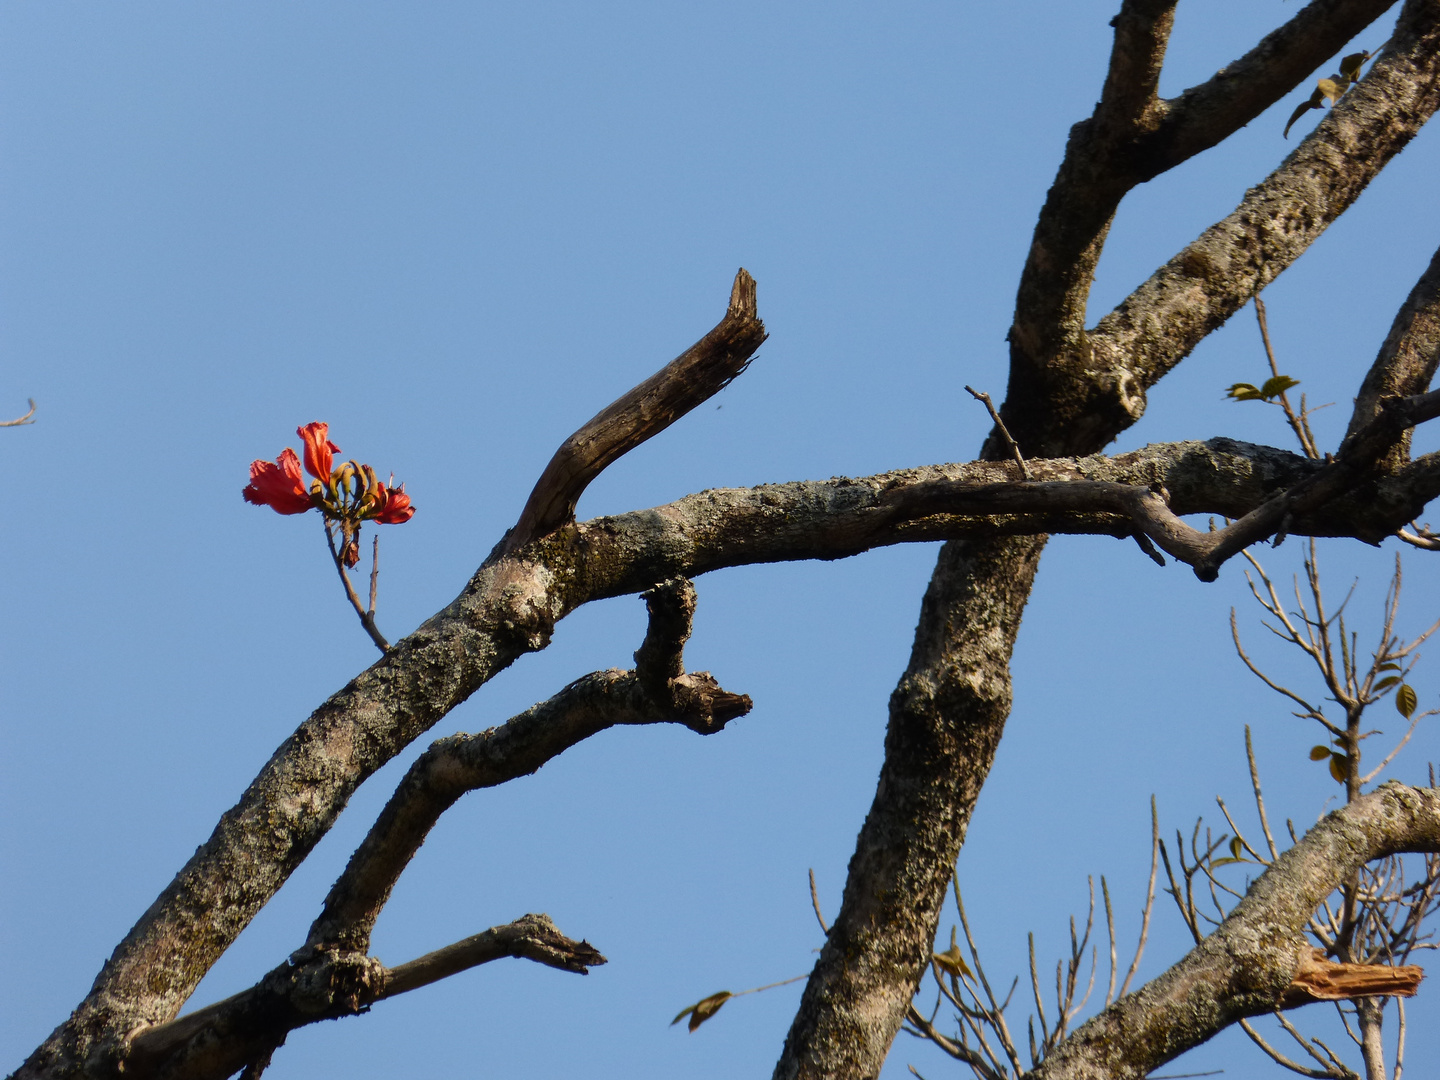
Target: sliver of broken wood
x=1320 y=979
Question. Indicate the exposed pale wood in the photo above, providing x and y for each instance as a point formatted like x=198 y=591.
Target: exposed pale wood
x=1319 y=979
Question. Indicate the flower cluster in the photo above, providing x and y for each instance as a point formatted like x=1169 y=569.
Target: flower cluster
x=346 y=494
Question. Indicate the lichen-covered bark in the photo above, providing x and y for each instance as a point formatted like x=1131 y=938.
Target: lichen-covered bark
x=1244 y=967
x=946 y=718
x=1133 y=137
x=505 y=611
x=510 y=607
x=1072 y=391
x=1201 y=287
x=1407 y=359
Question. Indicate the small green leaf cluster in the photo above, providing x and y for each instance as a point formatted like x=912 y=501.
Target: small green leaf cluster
x=1331 y=88
x=1269 y=391
x=1237 y=848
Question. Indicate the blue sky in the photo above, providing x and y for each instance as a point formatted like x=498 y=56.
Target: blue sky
x=455 y=232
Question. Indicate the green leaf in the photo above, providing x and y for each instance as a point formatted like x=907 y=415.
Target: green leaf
x=1225 y=862
x=1235 y=847
x=1276 y=386
x=1319 y=753
x=1339 y=766
x=1333 y=88
x=1388 y=667
x=1405 y=700
x=1386 y=683
x=703 y=1009
x=1244 y=391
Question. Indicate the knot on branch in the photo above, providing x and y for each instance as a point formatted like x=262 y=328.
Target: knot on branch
x=698 y=701
x=335 y=982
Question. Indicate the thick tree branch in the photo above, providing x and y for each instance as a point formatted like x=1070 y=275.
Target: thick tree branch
x=1132 y=138
x=1407 y=359
x=508 y=608
x=1065 y=396
x=1250 y=964
x=513 y=602
x=1195 y=292
x=326 y=984
x=698 y=373
x=463 y=763
x=1142 y=33
x=946 y=719
x=1207 y=114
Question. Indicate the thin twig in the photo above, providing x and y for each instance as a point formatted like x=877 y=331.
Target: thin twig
x=1149 y=897
x=1298 y=423
x=374 y=574
x=1259 y=798
x=815 y=902
x=367 y=619
x=1004 y=431
x=26 y=419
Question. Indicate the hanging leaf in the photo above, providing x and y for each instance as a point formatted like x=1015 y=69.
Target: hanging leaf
x=1301 y=110
x=1339 y=766
x=1235 y=848
x=1244 y=391
x=1333 y=88
x=1386 y=683
x=1319 y=753
x=1405 y=700
x=1276 y=386
x=1388 y=667
x=703 y=1009
x=951 y=962
x=1351 y=65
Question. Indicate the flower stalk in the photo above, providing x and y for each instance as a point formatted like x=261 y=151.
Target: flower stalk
x=346 y=495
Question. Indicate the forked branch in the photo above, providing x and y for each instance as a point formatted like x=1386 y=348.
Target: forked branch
x=326 y=984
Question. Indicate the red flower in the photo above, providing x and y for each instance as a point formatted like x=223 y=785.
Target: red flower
x=278 y=484
x=393 y=505
x=318 y=450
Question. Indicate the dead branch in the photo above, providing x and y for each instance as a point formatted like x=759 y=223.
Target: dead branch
x=697 y=374
x=326 y=984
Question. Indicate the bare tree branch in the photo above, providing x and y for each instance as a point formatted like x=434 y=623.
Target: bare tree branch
x=1069 y=391
x=326 y=984
x=1132 y=138
x=700 y=372
x=1249 y=965
x=463 y=763
x=1407 y=359
x=1193 y=294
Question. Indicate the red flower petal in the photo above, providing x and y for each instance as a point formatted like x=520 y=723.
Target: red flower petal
x=278 y=484
x=393 y=506
x=318 y=449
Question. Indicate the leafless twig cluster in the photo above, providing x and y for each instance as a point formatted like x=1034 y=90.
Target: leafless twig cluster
x=1376 y=920
x=981 y=1037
